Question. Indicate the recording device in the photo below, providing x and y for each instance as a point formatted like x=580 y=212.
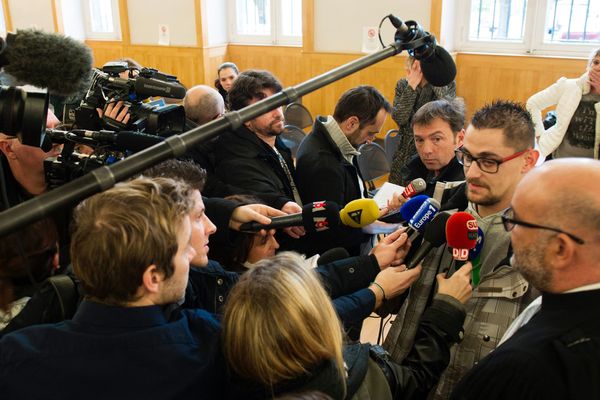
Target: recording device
x=331 y=255
x=108 y=86
x=434 y=236
x=415 y=186
x=461 y=235
x=425 y=213
x=359 y=213
x=37 y=58
x=315 y=217
x=437 y=64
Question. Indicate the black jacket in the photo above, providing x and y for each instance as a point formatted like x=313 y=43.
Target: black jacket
x=244 y=161
x=452 y=172
x=323 y=174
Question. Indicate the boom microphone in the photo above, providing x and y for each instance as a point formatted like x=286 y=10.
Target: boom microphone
x=437 y=64
x=359 y=213
x=315 y=217
x=415 y=186
x=47 y=60
x=434 y=236
x=461 y=235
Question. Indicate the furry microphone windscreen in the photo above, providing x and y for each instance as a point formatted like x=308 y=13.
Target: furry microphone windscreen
x=48 y=60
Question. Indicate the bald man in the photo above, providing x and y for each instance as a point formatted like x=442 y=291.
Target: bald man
x=202 y=104
x=554 y=223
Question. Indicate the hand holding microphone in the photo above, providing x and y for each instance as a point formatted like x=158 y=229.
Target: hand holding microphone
x=458 y=285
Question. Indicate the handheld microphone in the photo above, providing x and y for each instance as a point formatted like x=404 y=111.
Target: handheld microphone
x=359 y=213
x=409 y=208
x=331 y=255
x=461 y=235
x=425 y=213
x=47 y=60
x=437 y=64
x=415 y=186
x=434 y=236
x=315 y=217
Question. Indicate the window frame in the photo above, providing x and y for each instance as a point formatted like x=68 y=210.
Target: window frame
x=108 y=36
x=275 y=38
x=533 y=35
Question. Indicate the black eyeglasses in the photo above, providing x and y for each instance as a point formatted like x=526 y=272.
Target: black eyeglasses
x=509 y=223
x=488 y=165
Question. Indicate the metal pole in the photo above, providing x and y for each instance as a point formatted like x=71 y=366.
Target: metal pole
x=105 y=177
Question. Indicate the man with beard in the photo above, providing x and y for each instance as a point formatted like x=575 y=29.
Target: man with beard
x=553 y=352
x=326 y=164
x=253 y=159
x=497 y=152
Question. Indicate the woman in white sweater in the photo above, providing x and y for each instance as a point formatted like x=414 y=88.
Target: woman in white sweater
x=577 y=129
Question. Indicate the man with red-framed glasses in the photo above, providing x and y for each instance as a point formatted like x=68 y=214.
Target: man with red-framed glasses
x=497 y=151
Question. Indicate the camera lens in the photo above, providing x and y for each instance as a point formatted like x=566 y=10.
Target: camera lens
x=23 y=114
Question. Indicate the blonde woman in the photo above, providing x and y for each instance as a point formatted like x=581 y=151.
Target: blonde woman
x=281 y=334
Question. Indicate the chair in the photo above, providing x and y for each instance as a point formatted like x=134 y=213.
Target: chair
x=390 y=143
x=291 y=137
x=372 y=163
x=297 y=115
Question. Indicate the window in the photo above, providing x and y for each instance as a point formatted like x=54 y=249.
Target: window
x=266 y=21
x=557 y=27
x=102 y=19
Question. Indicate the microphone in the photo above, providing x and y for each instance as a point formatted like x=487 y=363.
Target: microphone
x=415 y=186
x=123 y=140
x=331 y=255
x=461 y=235
x=359 y=213
x=425 y=213
x=47 y=60
x=148 y=87
x=437 y=64
x=409 y=208
x=434 y=236
x=315 y=217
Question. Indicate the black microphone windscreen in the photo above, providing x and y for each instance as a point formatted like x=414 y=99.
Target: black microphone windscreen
x=435 y=232
x=331 y=255
x=48 y=60
x=439 y=69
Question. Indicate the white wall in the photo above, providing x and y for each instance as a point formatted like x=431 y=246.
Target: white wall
x=71 y=18
x=216 y=18
x=339 y=23
x=31 y=14
x=146 y=15
x=449 y=22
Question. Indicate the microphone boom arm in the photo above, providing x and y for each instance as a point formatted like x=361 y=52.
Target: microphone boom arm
x=175 y=146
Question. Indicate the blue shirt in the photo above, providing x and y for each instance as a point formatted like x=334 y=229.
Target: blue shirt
x=109 y=352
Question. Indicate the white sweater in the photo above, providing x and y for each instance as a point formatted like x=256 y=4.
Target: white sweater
x=566 y=94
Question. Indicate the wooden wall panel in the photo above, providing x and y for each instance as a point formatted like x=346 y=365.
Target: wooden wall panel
x=481 y=77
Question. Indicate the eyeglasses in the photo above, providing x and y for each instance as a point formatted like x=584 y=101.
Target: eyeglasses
x=510 y=222
x=485 y=164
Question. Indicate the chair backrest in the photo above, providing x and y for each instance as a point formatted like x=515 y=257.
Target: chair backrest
x=298 y=115
x=390 y=143
x=292 y=136
x=372 y=161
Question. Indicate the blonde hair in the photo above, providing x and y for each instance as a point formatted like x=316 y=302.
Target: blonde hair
x=120 y=232
x=279 y=323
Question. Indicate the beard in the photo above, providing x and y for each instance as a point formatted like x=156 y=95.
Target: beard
x=529 y=261
x=485 y=199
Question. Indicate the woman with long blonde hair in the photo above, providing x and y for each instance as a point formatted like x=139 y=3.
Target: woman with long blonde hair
x=281 y=334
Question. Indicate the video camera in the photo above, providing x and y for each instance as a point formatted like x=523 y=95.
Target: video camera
x=110 y=85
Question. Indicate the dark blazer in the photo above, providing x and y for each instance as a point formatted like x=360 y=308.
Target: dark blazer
x=245 y=162
x=323 y=174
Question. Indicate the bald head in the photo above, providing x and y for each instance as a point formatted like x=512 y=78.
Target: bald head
x=202 y=104
x=559 y=188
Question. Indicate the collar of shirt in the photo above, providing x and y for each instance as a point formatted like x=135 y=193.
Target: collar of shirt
x=591 y=286
x=341 y=141
x=93 y=313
